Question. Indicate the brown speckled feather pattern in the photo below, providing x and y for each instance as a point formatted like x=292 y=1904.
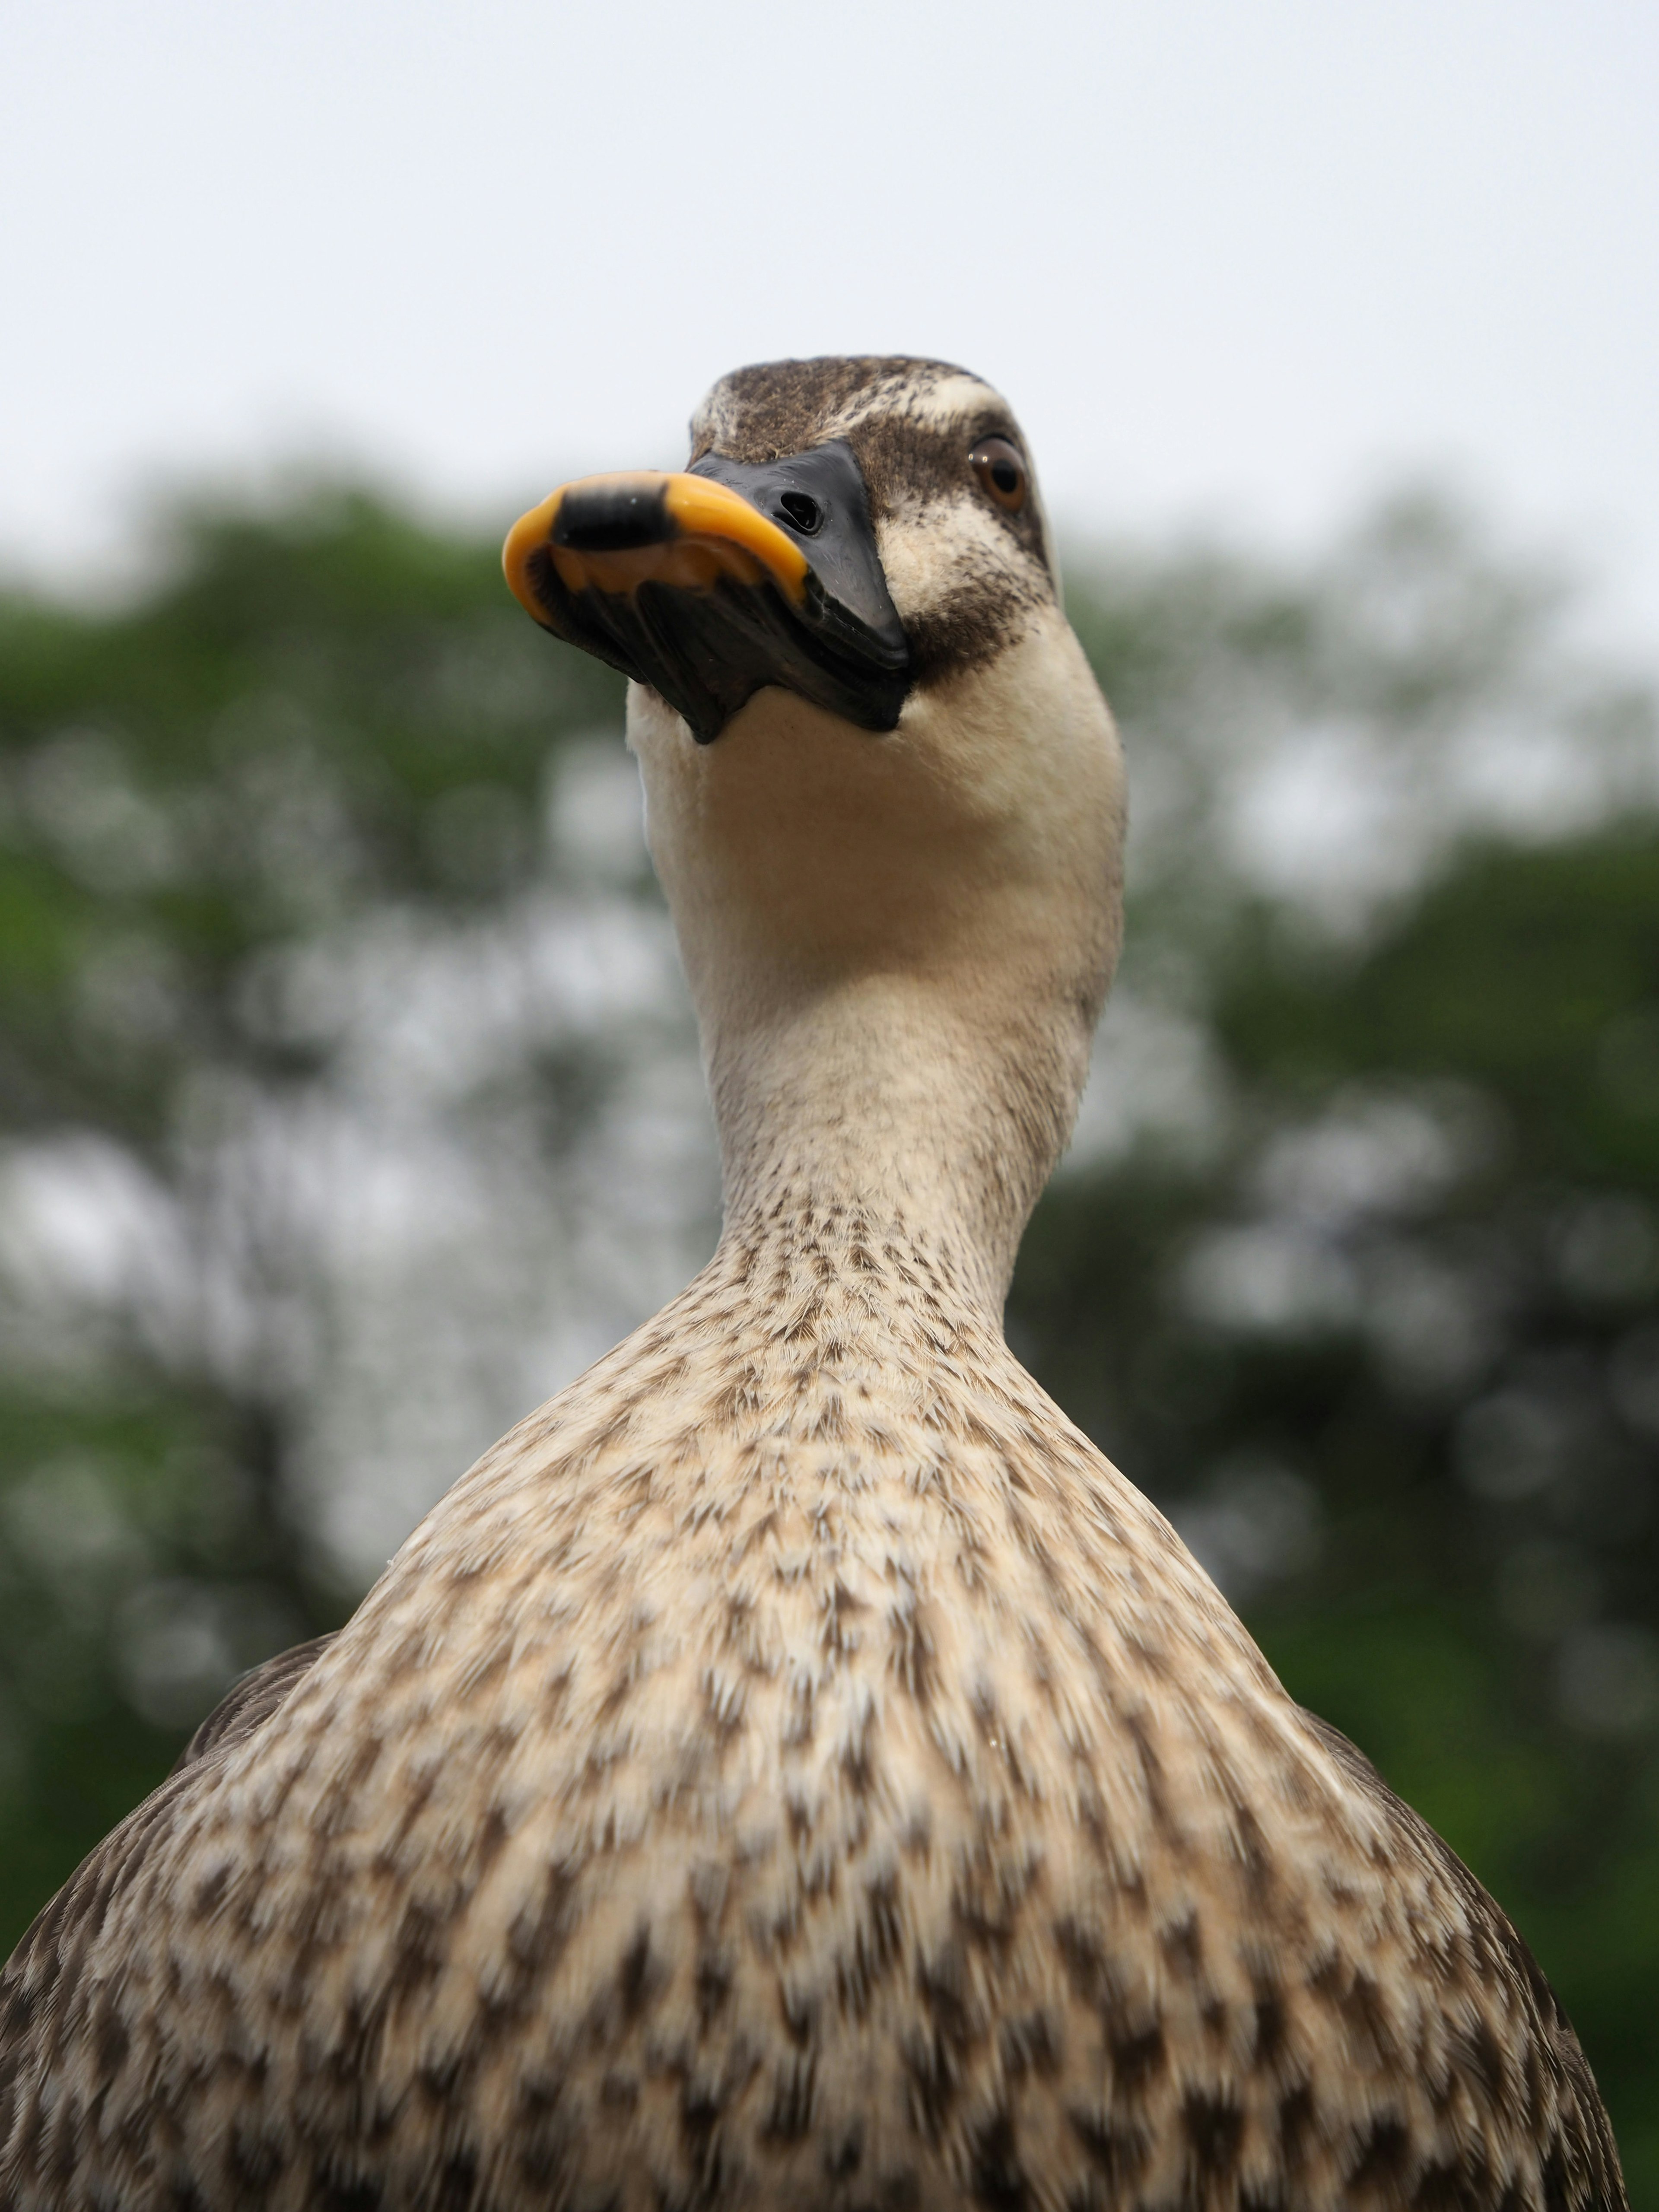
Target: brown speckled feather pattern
x=792 y=1769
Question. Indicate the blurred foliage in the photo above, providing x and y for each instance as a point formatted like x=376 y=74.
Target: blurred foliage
x=349 y=1103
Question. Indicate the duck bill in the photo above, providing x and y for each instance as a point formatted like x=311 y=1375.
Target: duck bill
x=685 y=583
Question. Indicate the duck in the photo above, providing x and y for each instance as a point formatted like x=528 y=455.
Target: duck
x=795 y=1768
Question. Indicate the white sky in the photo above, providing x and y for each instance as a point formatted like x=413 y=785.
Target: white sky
x=1230 y=262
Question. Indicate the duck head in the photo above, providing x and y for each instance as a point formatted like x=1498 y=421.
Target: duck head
x=883 y=792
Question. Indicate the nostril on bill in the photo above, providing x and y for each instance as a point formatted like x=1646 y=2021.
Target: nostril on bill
x=801 y=511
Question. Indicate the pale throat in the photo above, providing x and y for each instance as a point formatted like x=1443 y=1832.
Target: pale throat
x=897 y=948
x=935 y=1121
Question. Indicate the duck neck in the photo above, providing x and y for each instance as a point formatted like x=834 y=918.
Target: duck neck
x=876 y=1096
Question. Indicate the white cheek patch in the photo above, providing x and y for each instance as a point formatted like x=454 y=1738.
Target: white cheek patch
x=930 y=548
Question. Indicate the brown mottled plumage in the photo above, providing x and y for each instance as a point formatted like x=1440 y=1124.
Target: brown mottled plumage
x=793 y=1768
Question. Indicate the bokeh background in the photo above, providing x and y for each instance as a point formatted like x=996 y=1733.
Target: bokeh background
x=348 y=1096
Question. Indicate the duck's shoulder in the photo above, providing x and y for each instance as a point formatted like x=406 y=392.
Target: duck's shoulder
x=1510 y=2033
x=1362 y=1926
x=55 y=1951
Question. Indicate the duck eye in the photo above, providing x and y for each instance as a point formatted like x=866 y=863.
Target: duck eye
x=1001 y=467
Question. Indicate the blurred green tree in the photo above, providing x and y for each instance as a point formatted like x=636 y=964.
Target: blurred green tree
x=348 y=1104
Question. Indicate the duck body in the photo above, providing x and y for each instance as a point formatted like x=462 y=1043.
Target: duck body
x=795 y=1768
